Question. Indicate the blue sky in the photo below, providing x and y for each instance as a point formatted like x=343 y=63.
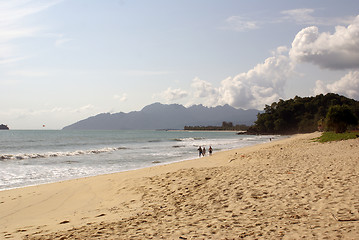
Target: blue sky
x=62 y=61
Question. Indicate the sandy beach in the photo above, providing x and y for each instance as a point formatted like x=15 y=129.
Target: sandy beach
x=292 y=188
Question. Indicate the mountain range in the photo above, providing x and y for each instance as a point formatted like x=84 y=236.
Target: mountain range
x=166 y=116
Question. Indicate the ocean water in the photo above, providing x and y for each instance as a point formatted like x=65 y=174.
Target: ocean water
x=32 y=157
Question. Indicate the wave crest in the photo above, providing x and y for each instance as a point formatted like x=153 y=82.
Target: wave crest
x=187 y=139
x=22 y=156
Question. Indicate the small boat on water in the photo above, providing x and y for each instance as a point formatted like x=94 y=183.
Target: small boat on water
x=4 y=127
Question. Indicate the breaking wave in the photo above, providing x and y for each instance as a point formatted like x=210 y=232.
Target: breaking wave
x=21 y=156
x=187 y=139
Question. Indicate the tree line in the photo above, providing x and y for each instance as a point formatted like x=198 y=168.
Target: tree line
x=226 y=126
x=330 y=112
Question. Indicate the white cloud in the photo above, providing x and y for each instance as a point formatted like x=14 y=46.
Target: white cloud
x=339 y=50
x=238 y=23
x=253 y=89
x=301 y=15
x=320 y=88
x=121 y=98
x=203 y=88
x=86 y=108
x=265 y=83
x=259 y=86
x=304 y=16
x=347 y=86
x=173 y=94
x=280 y=50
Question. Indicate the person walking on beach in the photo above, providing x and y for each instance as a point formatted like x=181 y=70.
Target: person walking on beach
x=204 y=151
x=200 y=151
x=210 y=150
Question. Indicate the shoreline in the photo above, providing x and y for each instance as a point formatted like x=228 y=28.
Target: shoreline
x=273 y=190
x=124 y=169
x=183 y=130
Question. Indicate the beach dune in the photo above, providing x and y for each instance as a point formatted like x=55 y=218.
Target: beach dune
x=287 y=189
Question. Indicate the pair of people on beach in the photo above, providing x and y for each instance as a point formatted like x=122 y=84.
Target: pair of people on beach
x=202 y=151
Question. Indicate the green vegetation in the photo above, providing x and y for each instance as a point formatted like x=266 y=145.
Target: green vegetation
x=332 y=136
x=339 y=118
x=226 y=126
x=308 y=114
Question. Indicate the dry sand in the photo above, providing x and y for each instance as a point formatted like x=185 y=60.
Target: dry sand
x=288 y=189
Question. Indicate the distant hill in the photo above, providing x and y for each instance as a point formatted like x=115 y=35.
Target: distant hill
x=164 y=116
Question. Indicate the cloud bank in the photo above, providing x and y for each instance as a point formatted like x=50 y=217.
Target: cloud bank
x=347 y=86
x=339 y=50
x=260 y=85
x=253 y=89
x=171 y=95
x=265 y=83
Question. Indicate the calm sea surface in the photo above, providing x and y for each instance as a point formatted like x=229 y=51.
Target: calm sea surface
x=32 y=157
